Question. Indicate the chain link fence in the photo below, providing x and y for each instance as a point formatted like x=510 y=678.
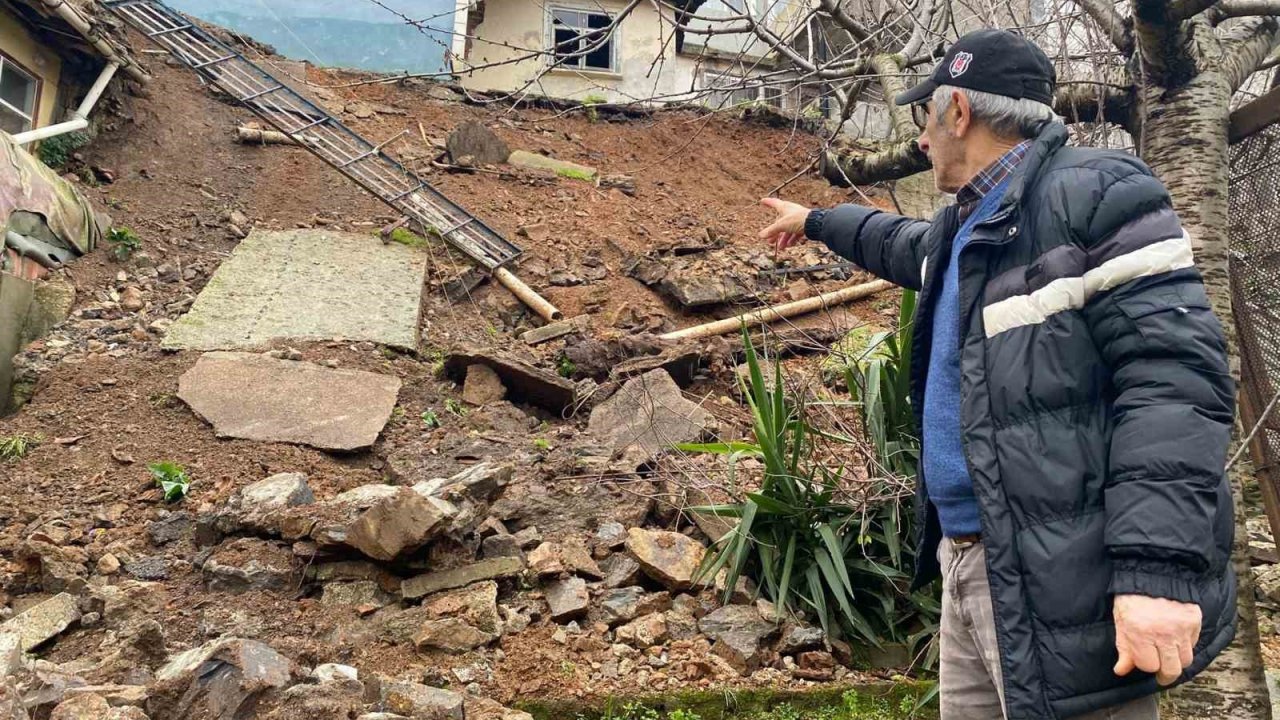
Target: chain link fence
x=1254 y=227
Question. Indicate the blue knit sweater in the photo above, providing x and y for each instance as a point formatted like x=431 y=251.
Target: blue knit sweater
x=946 y=474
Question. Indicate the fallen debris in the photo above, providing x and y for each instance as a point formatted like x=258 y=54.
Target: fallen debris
x=670 y=558
x=648 y=416
x=488 y=569
x=478 y=143
x=45 y=621
x=781 y=312
x=563 y=168
x=258 y=398
x=523 y=381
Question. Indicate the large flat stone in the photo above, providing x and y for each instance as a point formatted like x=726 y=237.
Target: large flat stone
x=306 y=285
x=534 y=161
x=648 y=416
x=257 y=398
x=45 y=621
x=488 y=569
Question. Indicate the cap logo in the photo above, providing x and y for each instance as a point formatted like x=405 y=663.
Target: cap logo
x=960 y=63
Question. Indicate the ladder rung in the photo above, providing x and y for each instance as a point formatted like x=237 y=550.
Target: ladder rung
x=310 y=125
x=166 y=31
x=260 y=93
x=112 y=4
x=459 y=226
x=210 y=63
x=406 y=194
x=358 y=158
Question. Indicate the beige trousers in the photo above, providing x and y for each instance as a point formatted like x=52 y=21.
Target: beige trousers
x=971 y=687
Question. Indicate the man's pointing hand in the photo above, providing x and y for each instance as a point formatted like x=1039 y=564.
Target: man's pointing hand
x=788 y=227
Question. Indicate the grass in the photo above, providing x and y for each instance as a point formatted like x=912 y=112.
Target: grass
x=541 y=444
x=172 y=479
x=454 y=407
x=590 y=102
x=16 y=447
x=124 y=242
x=430 y=420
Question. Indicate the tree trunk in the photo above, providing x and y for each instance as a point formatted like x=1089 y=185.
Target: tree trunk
x=1184 y=140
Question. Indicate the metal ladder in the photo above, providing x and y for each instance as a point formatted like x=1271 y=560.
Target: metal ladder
x=315 y=129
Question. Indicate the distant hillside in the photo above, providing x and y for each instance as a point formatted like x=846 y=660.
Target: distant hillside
x=350 y=33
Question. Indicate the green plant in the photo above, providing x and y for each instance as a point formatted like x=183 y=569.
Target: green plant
x=57 y=150
x=590 y=102
x=437 y=364
x=430 y=419
x=407 y=237
x=879 y=377
x=565 y=367
x=124 y=243
x=575 y=174
x=16 y=447
x=397 y=416
x=454 y=407
x=172 y=479
x=541 y=444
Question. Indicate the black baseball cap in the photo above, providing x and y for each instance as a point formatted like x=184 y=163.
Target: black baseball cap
x=994 y=61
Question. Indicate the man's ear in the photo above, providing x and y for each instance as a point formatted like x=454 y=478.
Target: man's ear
x=963 y=113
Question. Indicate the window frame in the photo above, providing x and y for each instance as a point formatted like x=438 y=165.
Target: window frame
x=33 y=119
x=706 y=87
x=615 y=61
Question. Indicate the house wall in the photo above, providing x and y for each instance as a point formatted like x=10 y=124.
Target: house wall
x=642 y=37
x=20 y=46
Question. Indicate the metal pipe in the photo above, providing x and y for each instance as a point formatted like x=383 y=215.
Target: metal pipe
x=780 y=312
x=527 y=296
x=80 y=118
x=73 y=18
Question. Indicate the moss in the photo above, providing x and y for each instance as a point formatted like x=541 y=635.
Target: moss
x=575 y=174
x=876 y=701
x=408 y=238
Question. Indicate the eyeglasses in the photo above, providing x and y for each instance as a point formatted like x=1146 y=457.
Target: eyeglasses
x=920 y=114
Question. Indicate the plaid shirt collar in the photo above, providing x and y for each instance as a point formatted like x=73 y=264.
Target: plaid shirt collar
x=984 y=182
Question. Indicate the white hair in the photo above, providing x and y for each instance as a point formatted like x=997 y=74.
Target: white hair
x=1006 y=116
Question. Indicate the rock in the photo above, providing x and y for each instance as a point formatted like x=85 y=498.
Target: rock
x=246 y=564
x=524 y=382
x=362 y=110
x=283 y=490
x=62 y=566
x=798 y=638
x=611 y=536
x=131 y=299
x=488 y=569
x=670 y=558
x=644 y=632
x=115 y=695
x=451 y=635
x=239 y=219
x=624 y=183
x=338 y=698
x=554 y=330
x=329 y=672
x=619 y=571
x=528 y=537
x=258 y=398
x=545 y=560
x=420 y=701
x=127 y=712
x=484 y=709
x=43 y=622
x=10 y=652
x=564 y=168
x=356 y=594
x=738 y=631
x=11 y=704
x=382 y=716
x=398 y=523
x=81 y=707
x=365 y=496
x=648 y=416
x=173 y=526
x=695 y=292
x=621 y=605
x=744 y=591
x=577 y=559
x=225 y=679
x=816 y=666
x=500 y=546
x=1266 y=580
x=482 y=386
x=481 y=143
x=568 y=599
x=108 y=564
x=681 y=625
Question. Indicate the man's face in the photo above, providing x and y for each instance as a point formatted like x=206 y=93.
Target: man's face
x=942 y=139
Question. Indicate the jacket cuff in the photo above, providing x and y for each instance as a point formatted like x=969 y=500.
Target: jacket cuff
x=813 y=224
x=1155 y=579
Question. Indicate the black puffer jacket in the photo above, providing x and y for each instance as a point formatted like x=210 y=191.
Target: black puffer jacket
x=1096 y=409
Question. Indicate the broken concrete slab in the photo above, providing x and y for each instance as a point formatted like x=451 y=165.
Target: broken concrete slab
x=481 y=144
x=45 y=621
x=306 y=285
x=255 y=397
x=564 y=168
x=524 y=382
x=487 y=569
x=648 y=416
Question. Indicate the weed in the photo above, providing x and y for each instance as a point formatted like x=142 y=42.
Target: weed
x=16 y=447
x=590 y=102
x=430 y=419
x=576 y=174
x=163 y=400
x=491 y=330
x=124 y=243
x=408 y=238
x=567 y=668
x=566 y=368
x=56 y=151
x=541 y=444
x=172 y=479
x=455 y=407
x=397 y=416
x=437 y=364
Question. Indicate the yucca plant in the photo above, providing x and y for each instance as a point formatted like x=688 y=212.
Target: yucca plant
x=879 y=377
x=791 y=536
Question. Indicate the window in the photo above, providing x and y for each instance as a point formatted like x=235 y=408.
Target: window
x=727 y=90
x=17 y=98
x=580 y=39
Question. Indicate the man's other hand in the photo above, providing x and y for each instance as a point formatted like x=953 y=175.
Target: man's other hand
x=788 y=227
x=1155 y=635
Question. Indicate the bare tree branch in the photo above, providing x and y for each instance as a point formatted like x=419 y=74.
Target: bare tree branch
x=1117 y=27
x=844 y=20
x=889 y=69
x=1242 y=8
x=1245 y=46
x=1180 y=10
x=1254 y=116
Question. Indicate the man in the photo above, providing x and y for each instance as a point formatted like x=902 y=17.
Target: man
x=1072 y=390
